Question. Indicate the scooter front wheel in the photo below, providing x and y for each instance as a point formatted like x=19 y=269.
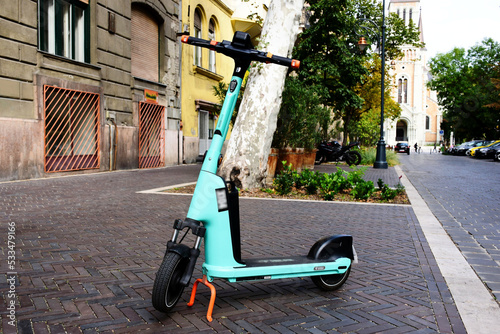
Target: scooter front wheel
x=167 y=289
x=331 y=282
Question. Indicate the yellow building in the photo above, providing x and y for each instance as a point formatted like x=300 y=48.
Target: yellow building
x=203 y=69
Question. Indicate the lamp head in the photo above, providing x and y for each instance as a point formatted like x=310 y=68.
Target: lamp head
x=362 y=43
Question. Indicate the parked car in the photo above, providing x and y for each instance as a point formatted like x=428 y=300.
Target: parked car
x=463 y=148
x=472 y=151
x=476 y=143
x=488 y=151
x=497 y=155
x=402 y=148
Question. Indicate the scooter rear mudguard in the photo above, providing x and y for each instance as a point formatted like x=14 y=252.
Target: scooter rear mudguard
x=332 y=248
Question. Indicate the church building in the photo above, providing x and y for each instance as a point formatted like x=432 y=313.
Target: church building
x=421 y=115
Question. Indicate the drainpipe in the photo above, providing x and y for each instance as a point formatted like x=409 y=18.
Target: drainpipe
x=113 y=143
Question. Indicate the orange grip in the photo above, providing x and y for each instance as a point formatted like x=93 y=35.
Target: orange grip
x=295 y=64
x=184 y=38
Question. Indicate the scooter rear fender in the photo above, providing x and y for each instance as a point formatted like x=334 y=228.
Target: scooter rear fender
x=332 y=248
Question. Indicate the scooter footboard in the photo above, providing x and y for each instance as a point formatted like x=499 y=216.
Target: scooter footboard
x=332 y=248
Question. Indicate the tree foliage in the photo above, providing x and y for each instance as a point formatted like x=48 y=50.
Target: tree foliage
x=329 y=53
x=366 y=126
x=302 y=118
x=463 y=82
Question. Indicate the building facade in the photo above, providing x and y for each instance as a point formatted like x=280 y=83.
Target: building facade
x=421 y=116
x=88 y=85
x=202 y=69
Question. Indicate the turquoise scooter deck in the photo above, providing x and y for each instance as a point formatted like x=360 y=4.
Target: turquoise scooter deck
x=276 y=268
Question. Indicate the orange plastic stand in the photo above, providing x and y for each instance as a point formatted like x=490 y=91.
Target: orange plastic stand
x=212 y=295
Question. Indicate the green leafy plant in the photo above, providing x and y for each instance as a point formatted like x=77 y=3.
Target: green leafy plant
x=331 y=184
x=283 y=183
x=388 y=193
x=363 y=190
x=355 y=176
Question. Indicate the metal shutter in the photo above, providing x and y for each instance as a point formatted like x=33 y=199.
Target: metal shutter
x=145 y=45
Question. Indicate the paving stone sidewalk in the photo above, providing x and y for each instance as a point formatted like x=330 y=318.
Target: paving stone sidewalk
x=88 y=247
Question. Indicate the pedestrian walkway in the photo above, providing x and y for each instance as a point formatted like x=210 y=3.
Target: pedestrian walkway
x=88 y=247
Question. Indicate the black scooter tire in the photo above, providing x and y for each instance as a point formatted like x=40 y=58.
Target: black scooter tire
x=353 y=158
x=166 y=289
x=331 y=282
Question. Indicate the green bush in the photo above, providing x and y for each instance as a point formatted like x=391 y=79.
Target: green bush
x=309 y=180
x=388 y=193
x=355 y=176
x=283 y=183
x=363 y=190
x=331 y=184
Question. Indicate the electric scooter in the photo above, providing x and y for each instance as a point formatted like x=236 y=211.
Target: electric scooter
x=213 y=215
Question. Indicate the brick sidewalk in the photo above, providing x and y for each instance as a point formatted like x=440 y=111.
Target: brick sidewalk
x=88 y=248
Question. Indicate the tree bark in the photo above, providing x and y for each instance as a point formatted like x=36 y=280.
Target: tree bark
x=245 y=160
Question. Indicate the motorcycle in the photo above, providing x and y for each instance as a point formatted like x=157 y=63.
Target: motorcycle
x=334 y=151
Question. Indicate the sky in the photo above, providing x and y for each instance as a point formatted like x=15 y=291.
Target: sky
x=458 y=23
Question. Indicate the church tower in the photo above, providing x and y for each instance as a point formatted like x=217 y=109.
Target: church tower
x=421 y=116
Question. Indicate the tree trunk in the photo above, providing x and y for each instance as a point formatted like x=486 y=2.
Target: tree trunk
x=245 y=161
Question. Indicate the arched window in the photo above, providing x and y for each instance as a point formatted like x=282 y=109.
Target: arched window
x=145 y=44
x=405 y=90
x=211 y=54
x=197 y=33
x=400 y=90
x=427 y=122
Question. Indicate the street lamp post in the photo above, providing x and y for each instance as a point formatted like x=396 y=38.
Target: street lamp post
x=380 y=158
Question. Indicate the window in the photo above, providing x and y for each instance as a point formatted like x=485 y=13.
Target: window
x=64 y=28
x=411 y=16
x=400 y=91
x=211 y=54
x=145 y=44
x=197 y=33
x=427 y=122
x=405 y=90
x=404 y=16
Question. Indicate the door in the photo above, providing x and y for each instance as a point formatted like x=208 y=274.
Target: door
x=205 y=131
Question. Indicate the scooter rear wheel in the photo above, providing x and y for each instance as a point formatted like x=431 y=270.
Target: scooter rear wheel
x=331 y=282
x=167 y=289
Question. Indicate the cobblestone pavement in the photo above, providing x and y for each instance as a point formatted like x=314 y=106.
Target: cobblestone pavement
x=88 y=247
x=463 y=193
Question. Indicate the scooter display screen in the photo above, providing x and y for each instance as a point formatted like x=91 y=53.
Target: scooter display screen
x=221 y=196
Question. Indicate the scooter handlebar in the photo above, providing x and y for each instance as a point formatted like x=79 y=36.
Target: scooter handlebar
x=234 y=51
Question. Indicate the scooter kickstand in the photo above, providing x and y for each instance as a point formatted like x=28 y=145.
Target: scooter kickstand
x=205 y=282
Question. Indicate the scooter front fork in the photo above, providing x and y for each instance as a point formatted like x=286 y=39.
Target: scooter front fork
x=192 y=254
x=183 y=250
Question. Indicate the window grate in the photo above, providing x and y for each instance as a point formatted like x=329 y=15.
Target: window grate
x=151 y=135
x=72 y=133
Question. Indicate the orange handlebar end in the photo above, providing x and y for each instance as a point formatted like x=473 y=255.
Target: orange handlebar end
x=295 y=64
